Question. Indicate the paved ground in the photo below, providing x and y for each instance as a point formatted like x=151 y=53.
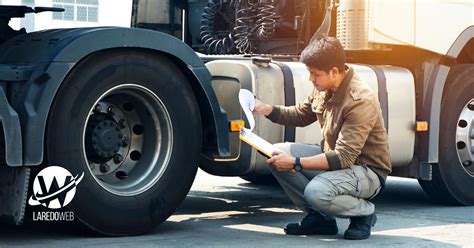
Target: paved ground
x=229 y=212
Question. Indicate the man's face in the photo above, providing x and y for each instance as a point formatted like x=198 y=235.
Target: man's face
x=322 y=80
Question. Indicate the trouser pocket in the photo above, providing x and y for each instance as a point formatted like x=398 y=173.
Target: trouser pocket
x=368 y=183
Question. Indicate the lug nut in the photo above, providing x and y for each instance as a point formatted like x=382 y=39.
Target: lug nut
x=122 y=123
x=125 y=142
x=118 y=158
x=110 y=110
x=97 y=108
x=104 y=168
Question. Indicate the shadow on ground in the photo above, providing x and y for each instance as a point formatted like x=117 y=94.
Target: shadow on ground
x=243 y=213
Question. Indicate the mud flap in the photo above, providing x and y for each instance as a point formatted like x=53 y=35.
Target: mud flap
x=13 y=193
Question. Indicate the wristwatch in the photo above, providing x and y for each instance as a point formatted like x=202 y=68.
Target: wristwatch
x=297 y=165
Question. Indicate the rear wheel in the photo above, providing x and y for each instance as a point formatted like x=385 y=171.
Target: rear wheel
x=453 y=177
x=130 y=122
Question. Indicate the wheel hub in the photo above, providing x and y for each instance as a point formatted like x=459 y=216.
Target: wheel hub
x=128 y=139
x=105 y=136
x=106 y=139
x=465 y=137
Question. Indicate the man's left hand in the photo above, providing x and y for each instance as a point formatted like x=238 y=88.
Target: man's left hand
x=281 y=161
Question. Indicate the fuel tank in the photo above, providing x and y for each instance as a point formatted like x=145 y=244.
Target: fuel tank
x=287 y=83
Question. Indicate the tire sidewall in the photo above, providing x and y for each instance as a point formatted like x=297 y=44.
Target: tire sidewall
x=101 y=210
x=458 y=182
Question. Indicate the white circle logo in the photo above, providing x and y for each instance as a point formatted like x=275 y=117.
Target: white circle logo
x=54 y=187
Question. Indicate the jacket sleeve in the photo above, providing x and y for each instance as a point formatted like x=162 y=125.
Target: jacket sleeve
x=299 y=115
x=359 y=122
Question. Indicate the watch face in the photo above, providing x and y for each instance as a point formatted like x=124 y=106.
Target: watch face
x=298 y=167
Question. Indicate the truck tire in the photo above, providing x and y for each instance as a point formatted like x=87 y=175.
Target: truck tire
x=129 y=120
x=453 y=177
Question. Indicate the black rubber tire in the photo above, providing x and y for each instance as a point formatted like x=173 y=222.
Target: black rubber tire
x=451 y=184
x=97 y=208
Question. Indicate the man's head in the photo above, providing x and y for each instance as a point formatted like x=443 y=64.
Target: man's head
x=325 y=61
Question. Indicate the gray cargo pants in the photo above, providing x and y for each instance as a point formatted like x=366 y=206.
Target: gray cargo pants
x=341 y=193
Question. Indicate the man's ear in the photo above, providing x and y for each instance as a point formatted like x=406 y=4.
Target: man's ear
x=333 y=73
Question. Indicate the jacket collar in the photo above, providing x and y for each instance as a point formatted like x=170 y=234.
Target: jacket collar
x=338 y=96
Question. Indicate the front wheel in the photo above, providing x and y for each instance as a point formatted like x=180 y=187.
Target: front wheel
x=130 y=122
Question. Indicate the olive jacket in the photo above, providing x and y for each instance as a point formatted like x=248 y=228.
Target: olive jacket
x=351 y=123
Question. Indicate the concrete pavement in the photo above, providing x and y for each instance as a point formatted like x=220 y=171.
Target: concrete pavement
x=230 y=212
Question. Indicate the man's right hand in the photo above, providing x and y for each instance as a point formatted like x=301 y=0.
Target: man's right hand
x=262 y=108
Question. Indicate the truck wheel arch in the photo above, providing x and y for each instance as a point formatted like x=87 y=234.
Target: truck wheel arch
x=65 y=48
x=461 y=42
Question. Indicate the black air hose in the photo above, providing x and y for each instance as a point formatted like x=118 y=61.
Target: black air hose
x=245 y=24
x=267 y=18
x=212 y=42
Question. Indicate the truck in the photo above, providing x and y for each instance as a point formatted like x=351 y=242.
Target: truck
x=138 y=110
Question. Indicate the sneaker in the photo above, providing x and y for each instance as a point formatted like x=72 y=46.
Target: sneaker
x=313 y=223
x=360 y=227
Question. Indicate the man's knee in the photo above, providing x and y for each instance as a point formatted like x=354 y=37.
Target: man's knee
x=319 y=194
x=285 y=147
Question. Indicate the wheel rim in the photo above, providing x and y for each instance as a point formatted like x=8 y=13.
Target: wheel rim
x=465 y=137
x=127 y=139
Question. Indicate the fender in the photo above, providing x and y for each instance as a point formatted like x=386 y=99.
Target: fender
x=461 y=42
x=52 y=54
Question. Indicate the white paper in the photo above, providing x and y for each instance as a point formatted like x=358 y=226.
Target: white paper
x=247 y=102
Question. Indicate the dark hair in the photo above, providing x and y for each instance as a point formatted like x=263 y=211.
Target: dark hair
x=324 y=54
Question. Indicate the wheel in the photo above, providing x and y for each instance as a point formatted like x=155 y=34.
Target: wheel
x=129 y=121
x=453 y=177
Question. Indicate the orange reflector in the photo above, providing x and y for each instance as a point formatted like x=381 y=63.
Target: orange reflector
x=421 y=126
x=235 y=126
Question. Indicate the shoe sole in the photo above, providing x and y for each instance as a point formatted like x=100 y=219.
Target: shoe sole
x=313 y=232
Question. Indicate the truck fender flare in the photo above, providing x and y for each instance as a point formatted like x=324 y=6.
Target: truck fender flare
x=461 y=41
x=88 y=41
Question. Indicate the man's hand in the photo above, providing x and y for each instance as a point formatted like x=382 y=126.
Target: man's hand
x=262 y=108
x=281 y=161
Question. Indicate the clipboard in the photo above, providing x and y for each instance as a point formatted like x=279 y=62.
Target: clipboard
x=257 y=142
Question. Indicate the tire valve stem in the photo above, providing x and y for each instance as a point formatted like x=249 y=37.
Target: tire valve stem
x=104 y=168
x=110 y=110
x=118 y=158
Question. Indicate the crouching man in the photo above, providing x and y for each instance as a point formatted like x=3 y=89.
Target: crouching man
x=338 y=177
